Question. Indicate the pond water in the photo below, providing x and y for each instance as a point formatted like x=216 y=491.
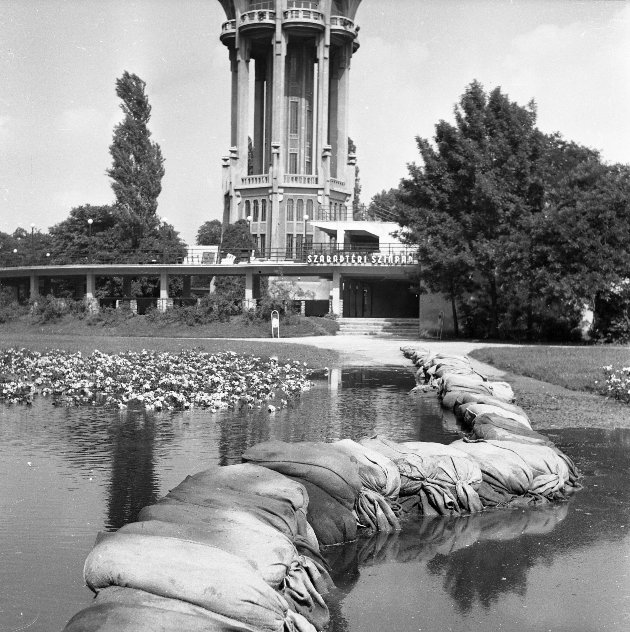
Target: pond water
x=67 y=473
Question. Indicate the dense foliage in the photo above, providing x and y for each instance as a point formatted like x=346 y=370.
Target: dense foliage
x=150 y=380
x=137 y=164
x=521 y=230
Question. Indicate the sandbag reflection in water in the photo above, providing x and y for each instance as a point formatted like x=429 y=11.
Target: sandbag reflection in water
x=474 y=555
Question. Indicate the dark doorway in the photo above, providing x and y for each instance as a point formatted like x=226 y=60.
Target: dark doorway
x=382 y=298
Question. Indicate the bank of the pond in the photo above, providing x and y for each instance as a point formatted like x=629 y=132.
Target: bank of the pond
x=314 y=357
x=548 y=405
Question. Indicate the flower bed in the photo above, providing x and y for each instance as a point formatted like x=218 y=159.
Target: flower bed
x=617 y=383
x=148 y=379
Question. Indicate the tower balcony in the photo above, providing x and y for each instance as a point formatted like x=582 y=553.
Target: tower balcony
x=341 y=26
x=261 y=21
x=228 y=32
x=304 y=15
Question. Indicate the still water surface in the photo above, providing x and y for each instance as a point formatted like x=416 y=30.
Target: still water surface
x=67 y=473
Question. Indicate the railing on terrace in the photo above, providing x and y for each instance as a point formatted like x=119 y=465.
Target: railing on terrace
x=304 y=15
x=257 y=180
x=258 y=16
x=202 y=257
x=335 y=182
x=339 y=22
x=298 y=178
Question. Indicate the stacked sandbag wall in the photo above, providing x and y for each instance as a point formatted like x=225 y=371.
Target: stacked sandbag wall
x=237 y=548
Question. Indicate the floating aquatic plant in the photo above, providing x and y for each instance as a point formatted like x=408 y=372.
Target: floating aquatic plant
x=148 y=379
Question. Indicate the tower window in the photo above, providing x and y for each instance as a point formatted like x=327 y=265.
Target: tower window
x=289 y=252
x=255 y=217
x=300 y=210
x=309 y=209
x=293 y=162
x=263 y=210
x=247 y=208
x=293 y=117
x=290 y=212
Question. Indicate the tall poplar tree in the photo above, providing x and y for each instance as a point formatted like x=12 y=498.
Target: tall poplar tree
x=137 y=163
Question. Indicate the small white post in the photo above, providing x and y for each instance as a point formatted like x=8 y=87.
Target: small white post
x=275 y=324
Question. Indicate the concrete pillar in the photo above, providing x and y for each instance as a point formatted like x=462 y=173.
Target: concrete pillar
x=234 y=97
x=243 y=104
x=337 y=301
x=126 y=287
x=90 y=299
x=186 y=282
x=323 y=60
x=249 y=302
x=163 y=291
x=34 y=286
x=343 y=104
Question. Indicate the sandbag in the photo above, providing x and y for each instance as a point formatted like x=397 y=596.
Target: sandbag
x=374 y=513
x=198 y=574
x=332 y=522
x=319 y=463
x=277 y=512
x=254 y=479
x=170 y=510
x=117 y=609
x=505 y=472
x=471 y=411
x=268 y=550
x=271 y=553
x=376 y=471
x=550 y=471
x=482 y=398
x=453 y=469
x=490 y=426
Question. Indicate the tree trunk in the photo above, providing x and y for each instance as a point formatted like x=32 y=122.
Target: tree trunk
x=494 y=309
x=454 y=310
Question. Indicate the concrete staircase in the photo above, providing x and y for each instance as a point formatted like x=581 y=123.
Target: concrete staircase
x=381 y=327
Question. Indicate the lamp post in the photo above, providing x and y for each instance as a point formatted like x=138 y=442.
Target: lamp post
x=32 y=243
x=90 y=222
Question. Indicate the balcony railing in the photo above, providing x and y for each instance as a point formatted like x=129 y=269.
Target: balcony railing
x=384 y=254
x=341 y=23
x=298 y=178
x=228 y=29
x=338 y=184
x=308 y=17
x=255 y=181
x=258 y=17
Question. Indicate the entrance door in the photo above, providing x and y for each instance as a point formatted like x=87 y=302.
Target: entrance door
x=357 y=299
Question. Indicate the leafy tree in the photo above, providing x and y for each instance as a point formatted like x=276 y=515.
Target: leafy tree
x=472 y=194
x=237 y=240
x=520 y=229
x=75 y=240
x=137 y=164
x=209 y=233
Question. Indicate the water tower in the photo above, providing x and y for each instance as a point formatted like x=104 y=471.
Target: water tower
x=289 y=163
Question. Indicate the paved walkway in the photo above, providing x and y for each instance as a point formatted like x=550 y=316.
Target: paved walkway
x=374 y=351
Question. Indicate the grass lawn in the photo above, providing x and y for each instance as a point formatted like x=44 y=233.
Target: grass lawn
x=575 y=368
x=315 y=358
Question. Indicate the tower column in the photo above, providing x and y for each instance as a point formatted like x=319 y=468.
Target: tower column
x=323 y=57
x=243 y=104
x=343 y=103
x=34 y=286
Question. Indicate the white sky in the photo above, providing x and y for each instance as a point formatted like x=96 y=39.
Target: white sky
x=59 y=60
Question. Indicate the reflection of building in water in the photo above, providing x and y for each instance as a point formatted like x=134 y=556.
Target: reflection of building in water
x=134 y=482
